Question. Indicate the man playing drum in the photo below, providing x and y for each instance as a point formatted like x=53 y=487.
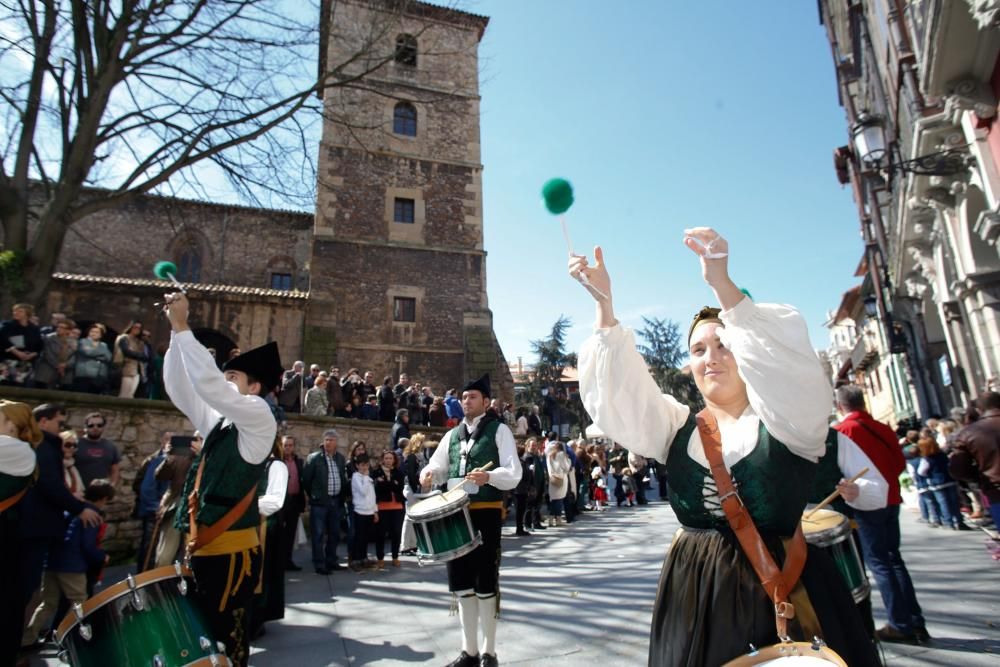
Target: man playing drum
x=843 y=460
x=218 y=508
x=481 y=440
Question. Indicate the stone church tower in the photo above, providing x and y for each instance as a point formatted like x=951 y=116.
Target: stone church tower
x=398 y=276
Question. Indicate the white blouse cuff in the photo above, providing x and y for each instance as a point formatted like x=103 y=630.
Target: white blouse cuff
x=738 y=314
x=609 y=335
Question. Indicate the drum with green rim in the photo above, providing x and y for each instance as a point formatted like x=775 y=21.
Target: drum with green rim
x=147 y=619
x=831 y=531
x=443 y=527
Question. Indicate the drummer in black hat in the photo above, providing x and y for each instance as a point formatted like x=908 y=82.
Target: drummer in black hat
x=480 y=440
x=218 y=511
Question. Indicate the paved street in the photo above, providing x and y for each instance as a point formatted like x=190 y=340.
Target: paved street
x=583 y=593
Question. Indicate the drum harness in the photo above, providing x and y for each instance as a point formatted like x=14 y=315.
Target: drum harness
x=779 y=584
x=203 y=535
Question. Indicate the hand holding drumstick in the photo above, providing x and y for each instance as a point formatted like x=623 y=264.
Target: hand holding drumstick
x=847 y=489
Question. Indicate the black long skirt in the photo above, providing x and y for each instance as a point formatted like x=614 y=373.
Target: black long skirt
x=710 y=606
x=269 y=603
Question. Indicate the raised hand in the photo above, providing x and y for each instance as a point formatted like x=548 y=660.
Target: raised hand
x=597 y=276
x=176 y=307
x=712 y=250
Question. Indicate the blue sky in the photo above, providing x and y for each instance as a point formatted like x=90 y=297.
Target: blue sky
x=663 y=115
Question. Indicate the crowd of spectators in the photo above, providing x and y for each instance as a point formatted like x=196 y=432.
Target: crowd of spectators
x=353 y=395
x=62 y=355
x=954 y=465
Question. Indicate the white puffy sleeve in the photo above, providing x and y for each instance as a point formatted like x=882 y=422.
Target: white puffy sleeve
x=785 y=381
x=274 y=495
x=622 y=398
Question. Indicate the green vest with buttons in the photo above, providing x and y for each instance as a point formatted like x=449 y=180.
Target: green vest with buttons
x=227 y=478
x=484 y=450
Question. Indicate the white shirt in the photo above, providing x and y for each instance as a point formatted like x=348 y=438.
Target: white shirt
x=363 y=494
x=873 y=490
x=274 y=495
x=786 y=387
x=17 y=458
x=199 y=390
x=504 y=477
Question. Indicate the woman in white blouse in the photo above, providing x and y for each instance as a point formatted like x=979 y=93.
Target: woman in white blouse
x=559 y=467
x=761 y=380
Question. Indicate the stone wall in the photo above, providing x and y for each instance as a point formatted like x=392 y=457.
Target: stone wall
x=135 y=426
x=238 y=245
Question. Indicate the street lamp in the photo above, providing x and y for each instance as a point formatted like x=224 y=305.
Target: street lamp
x=869 y=138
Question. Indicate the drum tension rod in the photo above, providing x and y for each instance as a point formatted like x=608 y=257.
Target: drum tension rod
x=85 y=630
x=182 y=585
x=136 y=598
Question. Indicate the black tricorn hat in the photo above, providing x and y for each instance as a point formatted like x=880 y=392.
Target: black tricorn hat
x=261 y=363
x=482 y=385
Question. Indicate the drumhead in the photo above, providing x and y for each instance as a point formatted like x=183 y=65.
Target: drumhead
x=442 y=503
x=792 y=654
x=823 y=524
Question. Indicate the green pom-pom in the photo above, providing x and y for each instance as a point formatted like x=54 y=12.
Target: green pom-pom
x=747 y=292
x=164 y=270
x=558 y=195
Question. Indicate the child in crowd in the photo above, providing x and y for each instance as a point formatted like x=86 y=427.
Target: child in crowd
x=628 y=487
x=66 y=570
x=365 y=512
x=598 y=489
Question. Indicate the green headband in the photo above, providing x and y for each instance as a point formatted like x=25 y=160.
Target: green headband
x=706 y=314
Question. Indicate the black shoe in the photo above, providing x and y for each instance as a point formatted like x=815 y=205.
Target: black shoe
x=960 y=526
x=538 y=527
x=465 y=660
x=922 y=635
x=522 y=533
x=488 y=660
x=887 y=633
x=291 y=567
x=335 y=567
x=322 y=570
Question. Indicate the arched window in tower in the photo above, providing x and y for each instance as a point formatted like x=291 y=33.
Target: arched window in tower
x=189 y=264
x=406 y=50
x=404 y=119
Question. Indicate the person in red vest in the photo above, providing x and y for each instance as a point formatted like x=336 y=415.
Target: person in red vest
x=879 y=529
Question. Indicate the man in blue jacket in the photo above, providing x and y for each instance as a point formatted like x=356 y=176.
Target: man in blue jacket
x=42 y=520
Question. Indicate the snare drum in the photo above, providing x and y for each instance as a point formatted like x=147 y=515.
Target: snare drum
x=145 y=620
x=790 y=654
x=831 y=531
x=443 y=527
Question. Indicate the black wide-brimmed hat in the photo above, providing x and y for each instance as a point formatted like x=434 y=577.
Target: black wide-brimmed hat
x=482 y=385
x=262 y=363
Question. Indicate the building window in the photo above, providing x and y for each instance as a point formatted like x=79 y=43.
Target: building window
x=406 y=50
x=404 y=119
x=282 y=281
x=189 y=265
x=404 y=309
x=404 y=211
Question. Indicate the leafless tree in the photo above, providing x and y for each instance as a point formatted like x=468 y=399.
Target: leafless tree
x=103 y=100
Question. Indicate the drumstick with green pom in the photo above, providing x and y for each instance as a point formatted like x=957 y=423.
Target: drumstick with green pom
x=168 y=271
x=557 y=194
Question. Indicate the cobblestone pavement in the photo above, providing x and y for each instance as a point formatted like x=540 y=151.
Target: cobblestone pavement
x=584 y=593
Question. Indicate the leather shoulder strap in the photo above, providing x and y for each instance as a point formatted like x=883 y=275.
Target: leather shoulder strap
x=778 y=584
x=7 y=503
